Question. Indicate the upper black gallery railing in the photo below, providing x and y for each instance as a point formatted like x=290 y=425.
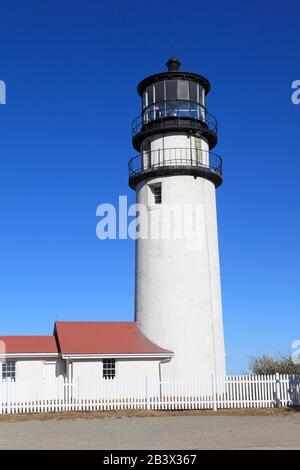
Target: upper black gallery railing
x=191 y=161
x=177 y=112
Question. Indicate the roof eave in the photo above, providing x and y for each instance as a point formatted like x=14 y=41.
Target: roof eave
x=29 y=354
x=118 y=355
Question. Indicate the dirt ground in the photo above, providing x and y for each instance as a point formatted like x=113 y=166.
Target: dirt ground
x=146 y=413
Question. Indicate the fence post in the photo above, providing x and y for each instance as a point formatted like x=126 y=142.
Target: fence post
x=214 y=392
x=277 y=395
x=8 y=407
x=147 y=393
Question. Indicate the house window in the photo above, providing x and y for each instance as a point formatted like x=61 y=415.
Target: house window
x=9 y=370
x=109 y=368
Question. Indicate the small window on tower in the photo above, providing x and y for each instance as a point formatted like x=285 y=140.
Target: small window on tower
x=156 y=193
x=109 y=368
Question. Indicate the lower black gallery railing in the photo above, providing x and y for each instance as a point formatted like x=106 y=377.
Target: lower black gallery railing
x=174 y=161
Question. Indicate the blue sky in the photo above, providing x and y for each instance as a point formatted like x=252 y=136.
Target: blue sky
x=71 y=69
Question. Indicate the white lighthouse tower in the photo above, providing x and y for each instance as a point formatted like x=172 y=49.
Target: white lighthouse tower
x=177 y=286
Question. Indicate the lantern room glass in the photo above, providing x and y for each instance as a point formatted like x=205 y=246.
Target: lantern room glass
x=174 y=98
x=171 y=90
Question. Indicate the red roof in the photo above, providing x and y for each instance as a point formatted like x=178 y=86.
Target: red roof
x=104 y=338
x=27 y=344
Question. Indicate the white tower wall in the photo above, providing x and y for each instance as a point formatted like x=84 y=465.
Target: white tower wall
x=178 y=295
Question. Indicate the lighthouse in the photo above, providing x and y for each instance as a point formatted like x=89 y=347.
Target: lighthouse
x=177 y=278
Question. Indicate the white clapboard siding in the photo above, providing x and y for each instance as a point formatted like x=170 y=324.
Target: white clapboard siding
x=146 y=392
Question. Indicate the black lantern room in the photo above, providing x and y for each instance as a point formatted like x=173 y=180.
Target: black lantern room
x=175 y=102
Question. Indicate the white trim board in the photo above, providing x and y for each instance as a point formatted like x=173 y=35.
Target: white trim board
x=116 y=356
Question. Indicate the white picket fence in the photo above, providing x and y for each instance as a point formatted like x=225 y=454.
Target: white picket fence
x=173 y=393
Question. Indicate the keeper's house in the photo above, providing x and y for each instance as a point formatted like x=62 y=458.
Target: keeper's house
x=82 y=349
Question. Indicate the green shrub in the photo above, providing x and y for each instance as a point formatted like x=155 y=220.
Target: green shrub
x=265 y=364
